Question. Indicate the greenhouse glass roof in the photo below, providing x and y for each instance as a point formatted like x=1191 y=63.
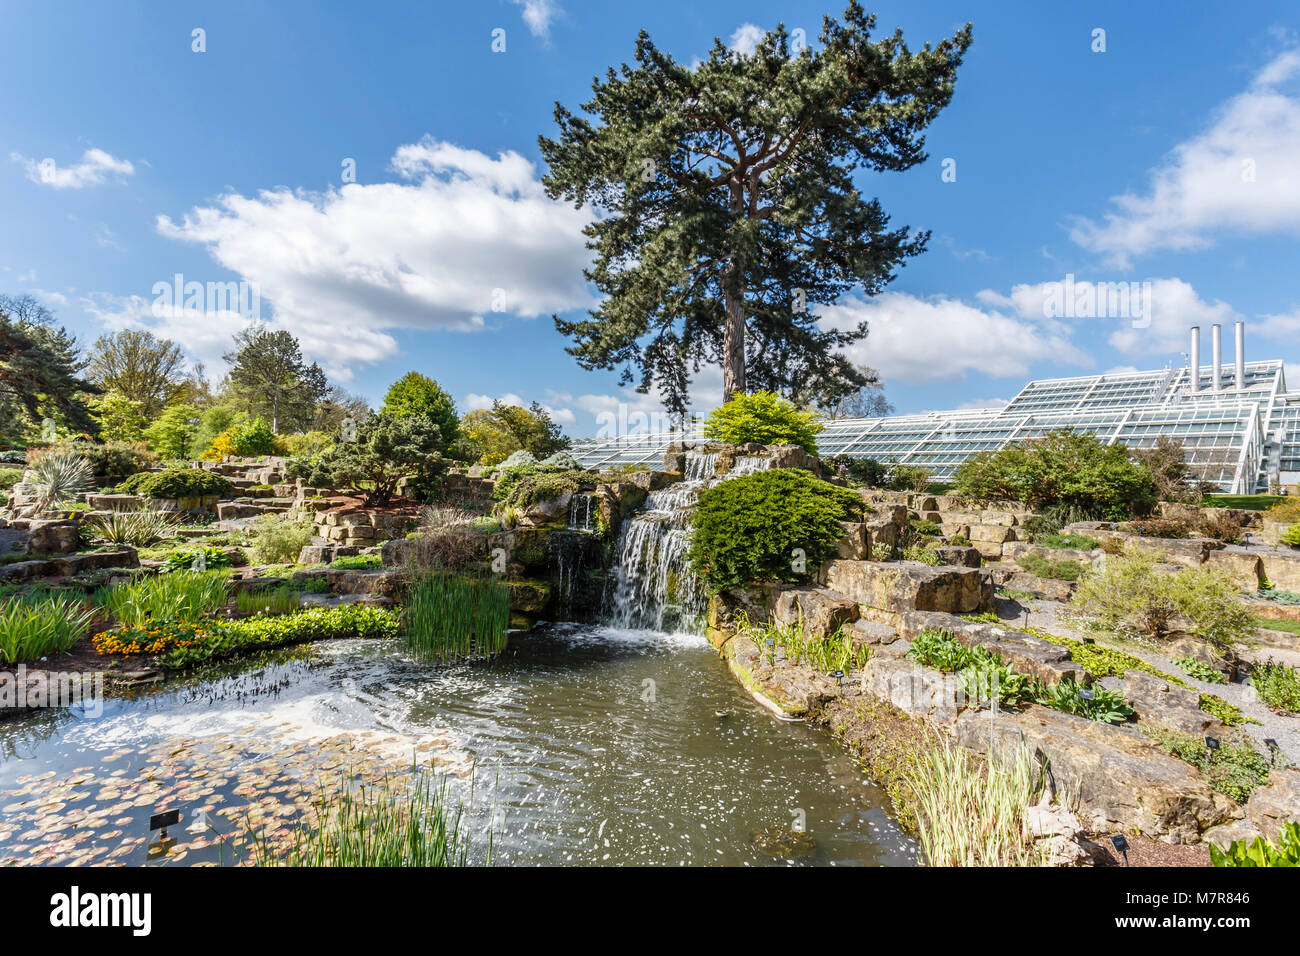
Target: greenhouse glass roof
x=1236 y=438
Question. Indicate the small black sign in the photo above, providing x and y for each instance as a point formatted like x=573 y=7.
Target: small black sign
x=160 y=821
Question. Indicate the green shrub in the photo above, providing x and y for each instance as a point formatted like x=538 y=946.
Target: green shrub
x=279 y=600
x=1280 y=595
x=1262 y=852
x=1042 y=567
x=1235 y=769
x=922 y=554
x=203 y=558
x=279 y=538
x=252 y=438
x=1130 y=595
x=1277 y=685
x=38 y=625
x=519 y=489
x=1199 y=670
x=763 y=417
x=1107 y=706
x=307 y=445
x=58 y=477
x=1040 y=526
x=909 y=478
x=1062 y=468
x=1291 y=536
x=866 y=472
x=386 y=450
x=778 y=524
x=182 y=483
x=10 y=477
x=1072 y=542
x=357 y=562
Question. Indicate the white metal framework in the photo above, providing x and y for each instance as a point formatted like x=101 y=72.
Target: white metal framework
x=1237 y=437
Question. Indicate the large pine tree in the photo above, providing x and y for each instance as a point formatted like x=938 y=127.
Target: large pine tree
x=728 y=208
x=40 y=370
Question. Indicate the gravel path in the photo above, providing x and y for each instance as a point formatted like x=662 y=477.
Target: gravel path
x=1048 y=616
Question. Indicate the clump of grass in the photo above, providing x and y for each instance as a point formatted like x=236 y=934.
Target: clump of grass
x=183 y=596
x=450 y=617
x=357 y=562
x=138 y=529
x=392 y=823
x=1235 y=769
x=1073 y=542
x=280 y=600
x=1277 y=685
x=834 y=652
x=37 y=625
x=1042 y=567
x=972 y=814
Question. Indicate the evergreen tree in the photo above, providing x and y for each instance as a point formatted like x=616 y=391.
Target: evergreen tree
x=39 y=372
x=416 y=394
x=728 y=205
x=269 y=374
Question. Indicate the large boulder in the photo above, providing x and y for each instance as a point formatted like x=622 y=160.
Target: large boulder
x=52 y=536
x=913 y=689
x=1271 y=806
x=853 y=542
x=1120 y=777
x=822 y=612
x=1244 y=567
x=1282 y=568
x=959 y=555
x=1162 y=705
x=911 y=586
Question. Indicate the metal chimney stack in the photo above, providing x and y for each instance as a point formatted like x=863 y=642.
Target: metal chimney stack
x=1240 y=332
x=1216 y=355
x=1195 y=371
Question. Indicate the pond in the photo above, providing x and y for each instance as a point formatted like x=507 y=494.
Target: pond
x=580 y=744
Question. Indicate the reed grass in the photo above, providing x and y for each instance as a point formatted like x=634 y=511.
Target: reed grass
x=834 y=652
x=451 y=617
x=973 y=814
x=183 y=596
x=37 y=625
x=280 y=600
x=406 y=822
x=139 y=529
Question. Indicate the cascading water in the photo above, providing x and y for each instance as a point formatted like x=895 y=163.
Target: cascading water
x=651 y=584
x=568 y=550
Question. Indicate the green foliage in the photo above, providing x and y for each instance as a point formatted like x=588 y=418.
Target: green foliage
x=110 y=462
x=1199 y=670
x=372 y=825
x=306 y=445
x=728 y=207
x=909 y=478
x=519 y=490
x=251 y=439
x=121 y=419
x=39 y=625
x=1107 y=706
x=277 y=538
x=828 y=654
x=1277 y=685
x=202 y=558
x=264 y=632
x=1291 y=536
x=58 y=477
x=560 y=461
x=763 y=417
x=921 y=553
x=1262 y=852
x=142 y=368
x=1130 y=595
x=280 y=600
x=357 y=562
x=1073 y=542
x=779 y=524
x=491 y=435
x=1281 y=596
x=451 y=617
x=181 y=483
x=1062 y=467
x=10 y=477
x=416 y=395
x=184 y=597
x=865 y=472
x=1236 y=769
x=1042 y=567
x=138 y=529
x=39 y=372
x=386 y=450
x=268 y=376
x=174 y=433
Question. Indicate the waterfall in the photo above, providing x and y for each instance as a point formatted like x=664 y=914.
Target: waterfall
x=567 y=550
x=581 y=513
x=651 y=583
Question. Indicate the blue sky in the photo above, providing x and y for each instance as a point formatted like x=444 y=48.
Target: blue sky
x=1172 y=157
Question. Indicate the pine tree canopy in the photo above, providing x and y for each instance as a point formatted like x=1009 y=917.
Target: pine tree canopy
x=727 y=209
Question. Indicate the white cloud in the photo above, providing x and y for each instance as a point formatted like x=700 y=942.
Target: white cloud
x=984 y=403
x=919 y=340
x=538 y=14
x=1204 y=186
x=746 y=39
x=466 y=238
x=563 y=416
x=204 y=335
x=95 y=166
x=1282 y=327
x=1174 y=308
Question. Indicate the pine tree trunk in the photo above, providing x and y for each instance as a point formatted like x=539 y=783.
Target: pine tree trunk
x=733 y=330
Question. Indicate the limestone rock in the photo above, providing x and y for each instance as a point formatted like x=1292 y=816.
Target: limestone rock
x=1121 y=778
x=959 y=555
x=1161 y=704
x=853 y=543
x=1277 y=803
x=920 y=691
x=910 y=585
x=52 y=537
x=821 y=611
x=1283 y=568
x=1242 y=566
